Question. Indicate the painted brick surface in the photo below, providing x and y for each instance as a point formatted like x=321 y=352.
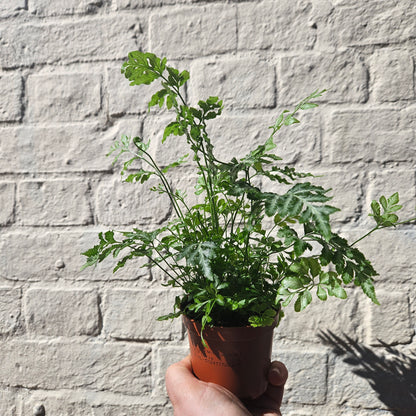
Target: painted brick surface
x=119 y=368
x=131 y=315
x=376 y=137
x=389 y=181
x=123 y=204
x=87 y=342
x=63 y=7
x=11 y=86
x=352 y=389
x=392 y=71
x=238 y=85
x=85 y=39
x=8 y=8
x=57 y=202
x=301 y=144
x=298 y=74
x=391 y=323
x=369 y=23
x=62 y=312
x=122 y=98
x=308 y=369
x=54 y=255
x=194 y=31
x=269 y=25
x=10 y=310
x=7 y=202
x=7 y=403
x=393 y=259
x=346 y=317
x=57 y=148
x=63 y=97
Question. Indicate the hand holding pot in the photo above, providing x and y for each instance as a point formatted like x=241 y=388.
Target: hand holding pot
x=193 y=397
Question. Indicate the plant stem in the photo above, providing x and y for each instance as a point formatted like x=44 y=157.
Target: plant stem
x=381 y=227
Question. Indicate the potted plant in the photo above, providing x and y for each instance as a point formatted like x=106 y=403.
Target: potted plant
x=242 y=254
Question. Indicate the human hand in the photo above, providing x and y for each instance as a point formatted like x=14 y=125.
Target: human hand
x=193 y=397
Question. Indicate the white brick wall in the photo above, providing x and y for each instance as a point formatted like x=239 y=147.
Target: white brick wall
x=87 y=343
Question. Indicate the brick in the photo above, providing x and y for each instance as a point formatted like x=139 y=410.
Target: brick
x=346 y=317
x=236 y=136
x=132 y=314
x=387 y=182
x=355 y=136
x=7 y=202
x=57 y=255
x=113 y=367
x=344 y=75
x=126 y=99
x=346 y=190
x=11 y=87
x=350 y=389
x=135 y=4
x=76 y=243
x=10 y=310
x=40 y=252
x=134 y=410
x=193 y=31
x=60 y=148
x=369 y=23
x=56 y=403
x=7 y=403
x=174 y=148
x=392 y=75
x=62 y=7
x=122 y=203
x=54 y=202
x=87 y=39
x=300 y=413
x=392 y=254
x=63 y=97
x=307 y=382
x=8 y=8
x=87 y=403
x=62 y=312
x=408 y=116
x=238 y=83
x=331 y=410
x=165 y=356
x=390 y=323
x=270 y=25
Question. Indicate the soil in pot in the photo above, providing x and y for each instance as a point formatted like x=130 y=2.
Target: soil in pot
x=237 y=358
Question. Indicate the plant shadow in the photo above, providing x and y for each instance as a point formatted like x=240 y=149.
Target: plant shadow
x=390 y=373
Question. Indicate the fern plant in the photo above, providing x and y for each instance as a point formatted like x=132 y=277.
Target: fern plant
x=242 y=254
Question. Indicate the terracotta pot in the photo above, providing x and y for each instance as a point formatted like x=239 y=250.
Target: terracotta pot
x=237 y=358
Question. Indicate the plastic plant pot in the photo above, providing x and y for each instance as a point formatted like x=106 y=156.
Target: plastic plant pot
x=237 y=358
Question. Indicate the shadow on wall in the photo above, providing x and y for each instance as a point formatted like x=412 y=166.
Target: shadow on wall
x=390 y=373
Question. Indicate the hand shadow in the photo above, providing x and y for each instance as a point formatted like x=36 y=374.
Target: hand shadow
x=390 y=373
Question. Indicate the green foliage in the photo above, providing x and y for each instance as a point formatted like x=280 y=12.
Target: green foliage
x=242 y=254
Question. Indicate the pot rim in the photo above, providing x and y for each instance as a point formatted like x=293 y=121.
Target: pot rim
x=198 y=324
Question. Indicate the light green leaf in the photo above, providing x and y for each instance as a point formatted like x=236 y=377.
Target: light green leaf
x=307 y=106
x=394 y=199
x=303 y=300
x=291 y=282
x=321 y=293
x=290 y=120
